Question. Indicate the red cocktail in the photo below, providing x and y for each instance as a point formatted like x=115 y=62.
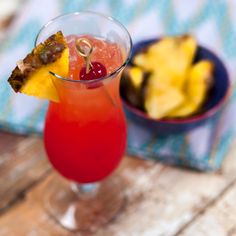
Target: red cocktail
x=85 y=132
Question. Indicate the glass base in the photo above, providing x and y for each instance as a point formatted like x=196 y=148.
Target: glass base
x=84 y=208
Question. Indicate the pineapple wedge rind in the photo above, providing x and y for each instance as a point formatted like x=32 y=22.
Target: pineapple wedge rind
x=41 y=83
x=31 y=75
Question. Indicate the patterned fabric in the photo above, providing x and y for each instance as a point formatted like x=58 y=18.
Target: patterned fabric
x=212 y=22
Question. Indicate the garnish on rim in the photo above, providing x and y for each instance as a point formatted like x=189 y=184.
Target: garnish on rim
x=31 y=75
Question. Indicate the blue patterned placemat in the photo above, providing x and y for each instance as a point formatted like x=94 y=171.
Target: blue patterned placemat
x=212 y=22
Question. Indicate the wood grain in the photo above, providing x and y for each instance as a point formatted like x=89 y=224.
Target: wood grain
x=161 y=201
x=22 y=164
x=33 y=208
x=219 y=219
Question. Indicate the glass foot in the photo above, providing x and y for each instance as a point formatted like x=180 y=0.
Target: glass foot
x=86 y=207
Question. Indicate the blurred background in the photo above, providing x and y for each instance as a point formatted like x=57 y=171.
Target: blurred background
x=212 y=23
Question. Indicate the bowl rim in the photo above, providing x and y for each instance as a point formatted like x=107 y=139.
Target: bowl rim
x=195 y=118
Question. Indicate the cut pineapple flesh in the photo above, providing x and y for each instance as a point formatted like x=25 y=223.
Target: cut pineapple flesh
x=32 y=77
x=199 y=79
x=170 y=57
x=40 y=84
x=136 y=76
x=176 y=86
x=158 y=104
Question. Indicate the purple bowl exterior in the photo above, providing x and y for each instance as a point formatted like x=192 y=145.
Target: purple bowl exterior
x=213 y=107
x=163 y=128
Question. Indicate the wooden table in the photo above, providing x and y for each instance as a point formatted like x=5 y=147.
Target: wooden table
x=162 y=200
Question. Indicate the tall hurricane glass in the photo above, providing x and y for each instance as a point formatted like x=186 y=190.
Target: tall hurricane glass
x=85 y=133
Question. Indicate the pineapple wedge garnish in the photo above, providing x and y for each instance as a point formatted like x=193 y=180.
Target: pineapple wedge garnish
x=31 y=75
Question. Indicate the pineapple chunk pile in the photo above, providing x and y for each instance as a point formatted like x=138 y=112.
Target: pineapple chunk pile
x=175 y=86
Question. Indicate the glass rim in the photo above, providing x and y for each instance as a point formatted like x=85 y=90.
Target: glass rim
x=122 y=66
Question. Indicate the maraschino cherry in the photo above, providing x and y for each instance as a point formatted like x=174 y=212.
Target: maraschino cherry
x=96 y=71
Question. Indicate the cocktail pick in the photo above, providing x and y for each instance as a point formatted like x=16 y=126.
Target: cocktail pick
x=85 y=52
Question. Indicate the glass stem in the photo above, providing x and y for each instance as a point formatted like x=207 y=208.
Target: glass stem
x=85 y=191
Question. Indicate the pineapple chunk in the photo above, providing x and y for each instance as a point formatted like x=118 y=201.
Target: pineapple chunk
x=136 y=77
x=200 y=78
x=186 y=109
x=158 y=103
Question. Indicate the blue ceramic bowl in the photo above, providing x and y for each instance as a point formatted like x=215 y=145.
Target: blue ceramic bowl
x=210 y=110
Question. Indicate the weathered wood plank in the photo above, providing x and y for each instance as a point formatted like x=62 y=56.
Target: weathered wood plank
x=22 y=163
x=32 y=208
x=218 y=220
x=161 y=200
x=31 y=216
x=8 y=141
